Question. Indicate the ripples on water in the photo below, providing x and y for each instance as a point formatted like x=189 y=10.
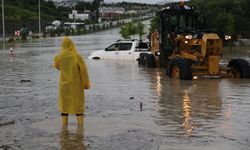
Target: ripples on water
x=202 y=111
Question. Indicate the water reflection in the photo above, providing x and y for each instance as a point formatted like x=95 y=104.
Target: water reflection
x=236 y=105
x=11 y=58
x=208 y=111
x=74 y=141
x=186 y=105
x=158 y=86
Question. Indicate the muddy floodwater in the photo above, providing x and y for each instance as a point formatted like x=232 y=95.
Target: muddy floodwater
x=207 y=114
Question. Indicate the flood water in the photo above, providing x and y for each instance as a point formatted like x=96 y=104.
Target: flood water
x=177 y=115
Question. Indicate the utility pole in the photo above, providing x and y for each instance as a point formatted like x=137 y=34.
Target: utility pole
x=39 y=6
x=3 y=24
x=74 y=14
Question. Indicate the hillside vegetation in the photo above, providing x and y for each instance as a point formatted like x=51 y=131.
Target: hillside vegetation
x=23 y=10
x=226 y=16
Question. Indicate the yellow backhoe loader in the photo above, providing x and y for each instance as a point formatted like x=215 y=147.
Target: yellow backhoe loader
x=186 y=51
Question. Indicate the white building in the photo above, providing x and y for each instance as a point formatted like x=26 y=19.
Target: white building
x=78 y=16
x=67 y=3
x=131 y=12
x=117 y=10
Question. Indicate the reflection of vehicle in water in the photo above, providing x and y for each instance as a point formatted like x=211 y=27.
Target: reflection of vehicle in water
x=187 y=50
x=183 y=105
x=122 y=49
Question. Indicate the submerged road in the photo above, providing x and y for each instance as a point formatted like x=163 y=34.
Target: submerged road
x=185 y=115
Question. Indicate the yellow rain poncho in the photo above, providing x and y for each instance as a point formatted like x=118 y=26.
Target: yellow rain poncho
x=73 y=79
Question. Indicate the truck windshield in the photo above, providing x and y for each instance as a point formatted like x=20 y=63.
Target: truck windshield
x=180 y=22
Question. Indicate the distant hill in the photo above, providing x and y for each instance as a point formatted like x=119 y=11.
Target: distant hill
x=20 y=13
x=163 y=2
x=23 y=10
x=15 y=14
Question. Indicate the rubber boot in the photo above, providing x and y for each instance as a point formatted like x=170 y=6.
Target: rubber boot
x=80 y=120
x=65 y=121
x=79 y=132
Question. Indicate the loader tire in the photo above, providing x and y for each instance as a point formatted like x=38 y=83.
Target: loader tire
x=141 y=59
x=150 y=61
x=239 y=68
x=179 y=68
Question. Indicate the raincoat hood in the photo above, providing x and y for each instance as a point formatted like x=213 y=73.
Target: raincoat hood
x=67 y=45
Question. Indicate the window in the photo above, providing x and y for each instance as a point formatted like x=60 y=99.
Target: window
x=125 y=46
x=143 y=45
x=113 y=47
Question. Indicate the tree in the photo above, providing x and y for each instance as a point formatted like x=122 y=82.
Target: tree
x=124 y=32
x=128 y=30
x=131 y=29
x=225 y=16
x=96 y=5
x=84 y=6
x=140 y=29
x=153 y=24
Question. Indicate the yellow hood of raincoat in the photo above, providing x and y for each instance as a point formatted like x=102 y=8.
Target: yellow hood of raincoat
x=73 y=78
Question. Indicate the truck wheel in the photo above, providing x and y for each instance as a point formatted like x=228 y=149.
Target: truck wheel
x=141 y=58
x=239 y=68
x=179 y=68
x=149 y=61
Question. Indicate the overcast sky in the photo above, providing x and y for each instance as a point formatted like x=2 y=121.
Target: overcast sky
x=141 y=1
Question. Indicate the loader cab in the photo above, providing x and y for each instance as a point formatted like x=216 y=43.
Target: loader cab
x=175 y=20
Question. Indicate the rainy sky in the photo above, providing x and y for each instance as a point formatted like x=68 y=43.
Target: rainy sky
x=141 y=1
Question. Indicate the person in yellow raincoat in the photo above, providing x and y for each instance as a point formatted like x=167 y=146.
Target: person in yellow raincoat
x=73 y=80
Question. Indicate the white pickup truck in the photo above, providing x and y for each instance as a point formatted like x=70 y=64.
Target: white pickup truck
x=123 y=50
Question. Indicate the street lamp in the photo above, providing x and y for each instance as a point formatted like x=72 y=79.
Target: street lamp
x=3 y=23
